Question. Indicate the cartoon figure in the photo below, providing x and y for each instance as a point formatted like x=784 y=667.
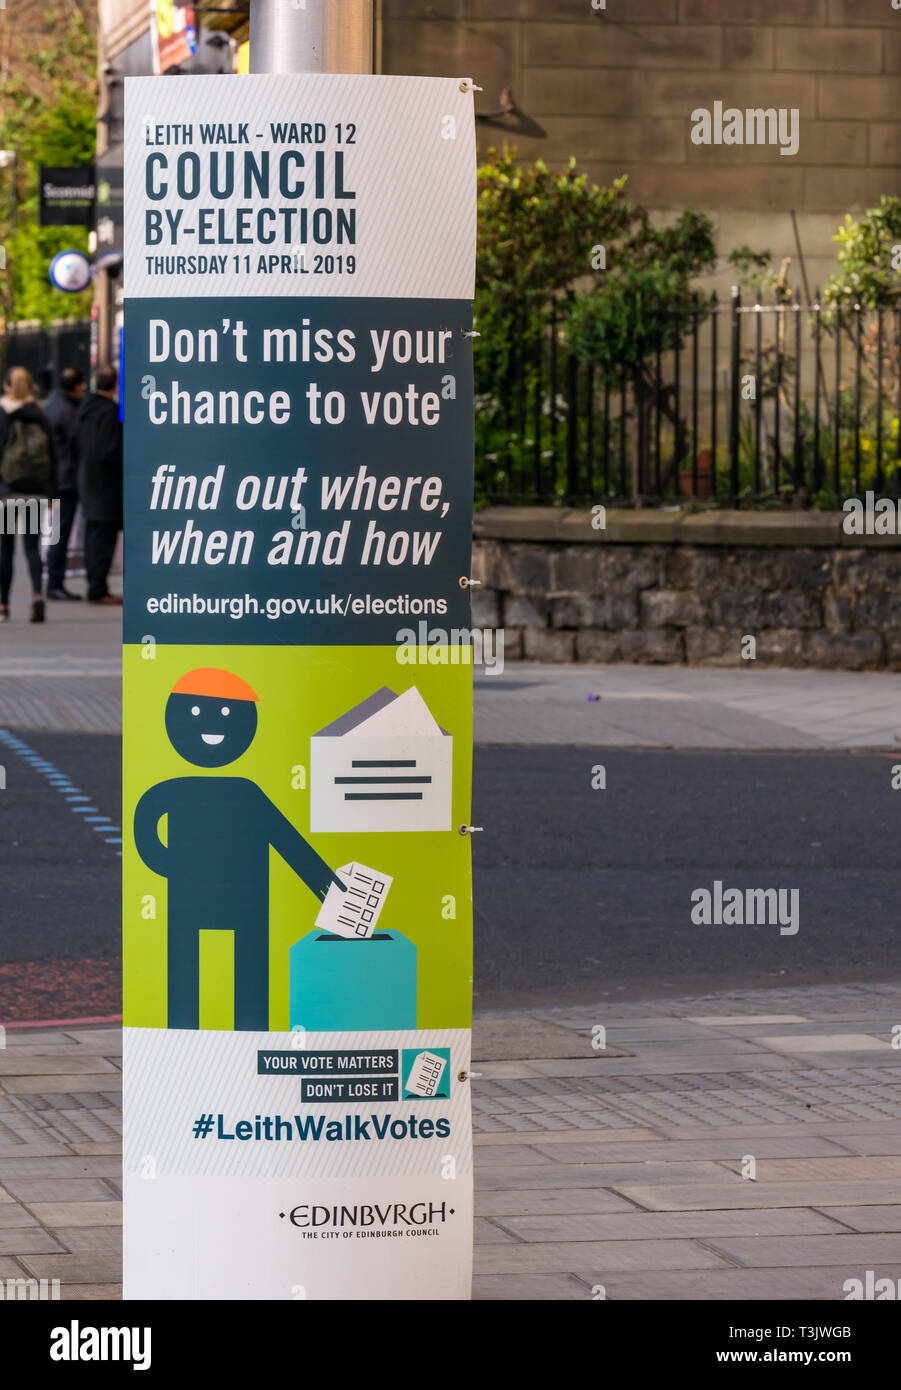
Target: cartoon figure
x=216 y=854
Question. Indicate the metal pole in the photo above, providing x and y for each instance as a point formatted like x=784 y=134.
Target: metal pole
x=311 y=36
x=736 y=396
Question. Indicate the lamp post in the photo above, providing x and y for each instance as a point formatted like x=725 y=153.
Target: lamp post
x=311 y=36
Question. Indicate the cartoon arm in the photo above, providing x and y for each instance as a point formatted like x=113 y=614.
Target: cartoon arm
x=149 y=811
x=301 y=856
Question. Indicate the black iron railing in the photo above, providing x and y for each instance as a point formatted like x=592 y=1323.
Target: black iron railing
x=767 y=402
x=46 y=350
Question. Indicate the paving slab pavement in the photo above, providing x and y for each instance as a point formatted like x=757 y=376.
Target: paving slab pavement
x=690 y=1177
x=753 y=708
x=66 y=675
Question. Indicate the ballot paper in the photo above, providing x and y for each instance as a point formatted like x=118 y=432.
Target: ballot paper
x=384 y=765
x=425 y=1074
x=354 y=912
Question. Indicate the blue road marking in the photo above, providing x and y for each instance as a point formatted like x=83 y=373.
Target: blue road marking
x=64 y=785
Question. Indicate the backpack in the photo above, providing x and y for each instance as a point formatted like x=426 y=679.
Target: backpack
x=25 y=466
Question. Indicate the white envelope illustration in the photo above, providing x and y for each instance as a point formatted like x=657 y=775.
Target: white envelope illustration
x=384 y=765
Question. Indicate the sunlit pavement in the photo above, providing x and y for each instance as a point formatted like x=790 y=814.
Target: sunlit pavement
x=65 y=674
x=743 y=1147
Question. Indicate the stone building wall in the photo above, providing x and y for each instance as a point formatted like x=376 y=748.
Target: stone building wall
x=806 y=598
x=616 y=88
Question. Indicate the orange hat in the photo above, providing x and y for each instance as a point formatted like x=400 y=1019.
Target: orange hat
x=208 y=680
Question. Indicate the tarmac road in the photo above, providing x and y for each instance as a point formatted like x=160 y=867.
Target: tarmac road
x=580 y=894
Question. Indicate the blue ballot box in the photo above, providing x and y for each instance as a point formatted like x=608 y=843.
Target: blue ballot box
x=347 y=986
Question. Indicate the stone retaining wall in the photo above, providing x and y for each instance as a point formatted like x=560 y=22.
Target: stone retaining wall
x=674 y=588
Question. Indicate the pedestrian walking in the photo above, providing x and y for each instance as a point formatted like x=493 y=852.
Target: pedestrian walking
x=99 y=443
x=62 y=413
x=27 y=481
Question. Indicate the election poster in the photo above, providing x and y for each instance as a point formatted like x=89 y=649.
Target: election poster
x=299 y=262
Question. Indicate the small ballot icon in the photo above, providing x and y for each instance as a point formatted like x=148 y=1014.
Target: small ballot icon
x=354 y=912
x=425 y=1074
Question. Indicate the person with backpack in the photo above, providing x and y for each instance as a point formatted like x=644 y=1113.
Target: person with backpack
x=27 y=476
x=99 y=439
x=62 y=414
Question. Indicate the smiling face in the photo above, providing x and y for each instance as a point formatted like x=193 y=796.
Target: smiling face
x=210 y=731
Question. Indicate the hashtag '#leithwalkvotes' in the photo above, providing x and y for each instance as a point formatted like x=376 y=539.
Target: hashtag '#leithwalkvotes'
x=203 y=1126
